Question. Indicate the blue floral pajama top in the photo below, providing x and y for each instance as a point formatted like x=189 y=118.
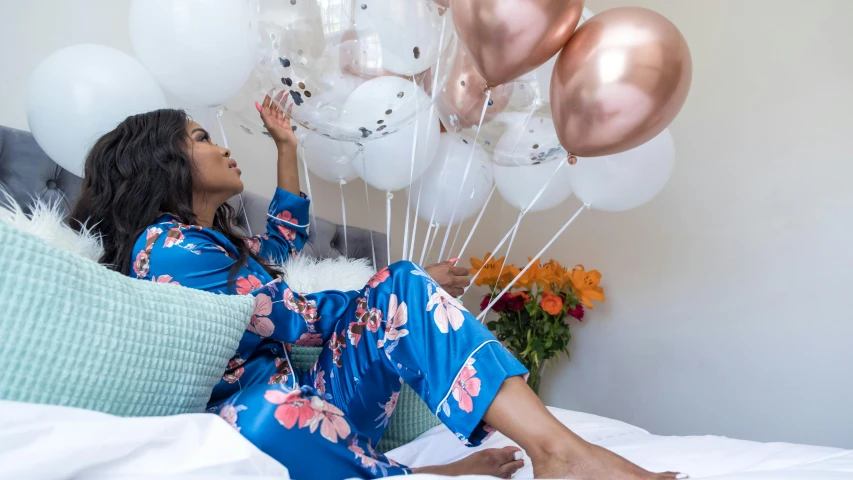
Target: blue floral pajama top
x=401 y=327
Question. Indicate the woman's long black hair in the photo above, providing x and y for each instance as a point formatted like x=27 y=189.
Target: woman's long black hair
x=137 y=172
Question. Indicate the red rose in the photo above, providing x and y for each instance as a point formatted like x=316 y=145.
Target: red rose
x=576 y=312
x=500 y=305
x=485 y=302
x=515 y=303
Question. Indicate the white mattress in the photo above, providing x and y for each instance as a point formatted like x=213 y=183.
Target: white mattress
x=43 y=442
x=700 y=457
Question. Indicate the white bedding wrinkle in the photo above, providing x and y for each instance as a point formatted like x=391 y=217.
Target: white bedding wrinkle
x=42 y=441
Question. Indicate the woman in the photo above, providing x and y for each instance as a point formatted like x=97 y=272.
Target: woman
x=156 y=189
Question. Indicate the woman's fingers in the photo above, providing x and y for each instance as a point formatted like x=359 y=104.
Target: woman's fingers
x=267 y=101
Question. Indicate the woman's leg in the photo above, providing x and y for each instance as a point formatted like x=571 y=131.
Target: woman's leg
x=308 y=435
x=404 y=325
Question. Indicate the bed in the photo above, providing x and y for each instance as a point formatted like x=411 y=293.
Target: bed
x=39 y=441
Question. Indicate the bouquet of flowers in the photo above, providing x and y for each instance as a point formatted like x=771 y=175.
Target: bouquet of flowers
x=533 y=316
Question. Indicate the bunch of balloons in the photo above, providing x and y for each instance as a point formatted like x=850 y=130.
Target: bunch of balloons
x=373 y=83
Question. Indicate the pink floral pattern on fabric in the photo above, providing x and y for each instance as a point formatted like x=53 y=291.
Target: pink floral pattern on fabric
x=293 y=409
x=330 y=419
x=141 y=264
x=173 y=237
x=260 y=322
x=234 y=370
x=380 y=277
x=164 y=279
x=282 y=373
x=320 y=381
x=229 y=414
x=310 y=340
x=287 y=233
x=247 y=285
x=387 y=410
x=336 y=344
x=465 y=388
x=253 y=244
x=301 y=305
x=354 y=332
x=448 y=310
x=398 y=315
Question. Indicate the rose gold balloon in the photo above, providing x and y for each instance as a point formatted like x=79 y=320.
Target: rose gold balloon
x=508 y=38
x=620 y=80
x=460 y=103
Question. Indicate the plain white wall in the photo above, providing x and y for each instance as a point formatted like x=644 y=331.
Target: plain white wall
x=728 y=309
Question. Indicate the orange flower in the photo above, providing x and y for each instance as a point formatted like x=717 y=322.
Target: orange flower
x=552 y=275
x=551 y=303
x=529 y=278
x=488 y=270
x=585 y=285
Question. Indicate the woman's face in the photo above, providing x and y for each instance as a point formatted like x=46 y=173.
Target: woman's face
x=216 y=173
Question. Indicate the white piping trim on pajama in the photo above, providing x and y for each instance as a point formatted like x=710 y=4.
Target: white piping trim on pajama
x=460 y=373
x=285 y=221
x=292 y=371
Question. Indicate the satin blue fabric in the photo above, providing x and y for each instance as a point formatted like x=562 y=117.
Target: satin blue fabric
x=401 y=327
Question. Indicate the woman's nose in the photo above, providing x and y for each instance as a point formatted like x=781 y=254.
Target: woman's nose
x=226 y=152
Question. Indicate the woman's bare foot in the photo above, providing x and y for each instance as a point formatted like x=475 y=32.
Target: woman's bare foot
x=582 y=460
x=495 y=462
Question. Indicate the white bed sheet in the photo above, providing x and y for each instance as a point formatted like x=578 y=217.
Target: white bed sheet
x=713 y=457
x=45 y=442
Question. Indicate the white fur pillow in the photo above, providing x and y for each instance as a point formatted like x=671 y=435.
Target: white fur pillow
x=309 y=275
x=47 y=222
x=303 y=274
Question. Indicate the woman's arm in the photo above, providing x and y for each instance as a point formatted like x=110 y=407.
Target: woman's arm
x=279 y=128
x=287 y=218
x=198 y=259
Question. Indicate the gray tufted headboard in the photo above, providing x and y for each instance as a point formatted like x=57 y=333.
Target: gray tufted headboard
x=27 y=173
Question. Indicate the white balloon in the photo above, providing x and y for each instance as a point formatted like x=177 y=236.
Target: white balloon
x=388 y=158
x=331 y=160
x=407 y=34
x=519 y=185
x=200 y=50
x=625 y=180
x=441 y=186
x=82 y=92
x=530 y=143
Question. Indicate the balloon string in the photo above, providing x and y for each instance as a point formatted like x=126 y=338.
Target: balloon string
x=225 y=144
x=344 y=214
x=521 y=132
x=434 y=236
x=465 y=175
x=308 y=183
x=495 y=299
x=491 y=256
x=426 y=241
x=522 y=213
x=441 y=178
x=431 y=114
x=388 y=197
x=476 y=222
x=369 y=216
x=508 y=248
x=411 y=170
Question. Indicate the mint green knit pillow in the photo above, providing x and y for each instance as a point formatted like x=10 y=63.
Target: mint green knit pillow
x=77 y=334
x=411 y=418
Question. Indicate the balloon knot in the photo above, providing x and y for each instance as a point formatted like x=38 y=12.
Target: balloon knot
x=572 y=159
x=389 y=195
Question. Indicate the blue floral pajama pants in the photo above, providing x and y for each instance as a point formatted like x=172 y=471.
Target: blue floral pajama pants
x=402 y=327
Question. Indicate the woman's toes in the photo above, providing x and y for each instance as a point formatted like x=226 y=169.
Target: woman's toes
x=507 y=470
